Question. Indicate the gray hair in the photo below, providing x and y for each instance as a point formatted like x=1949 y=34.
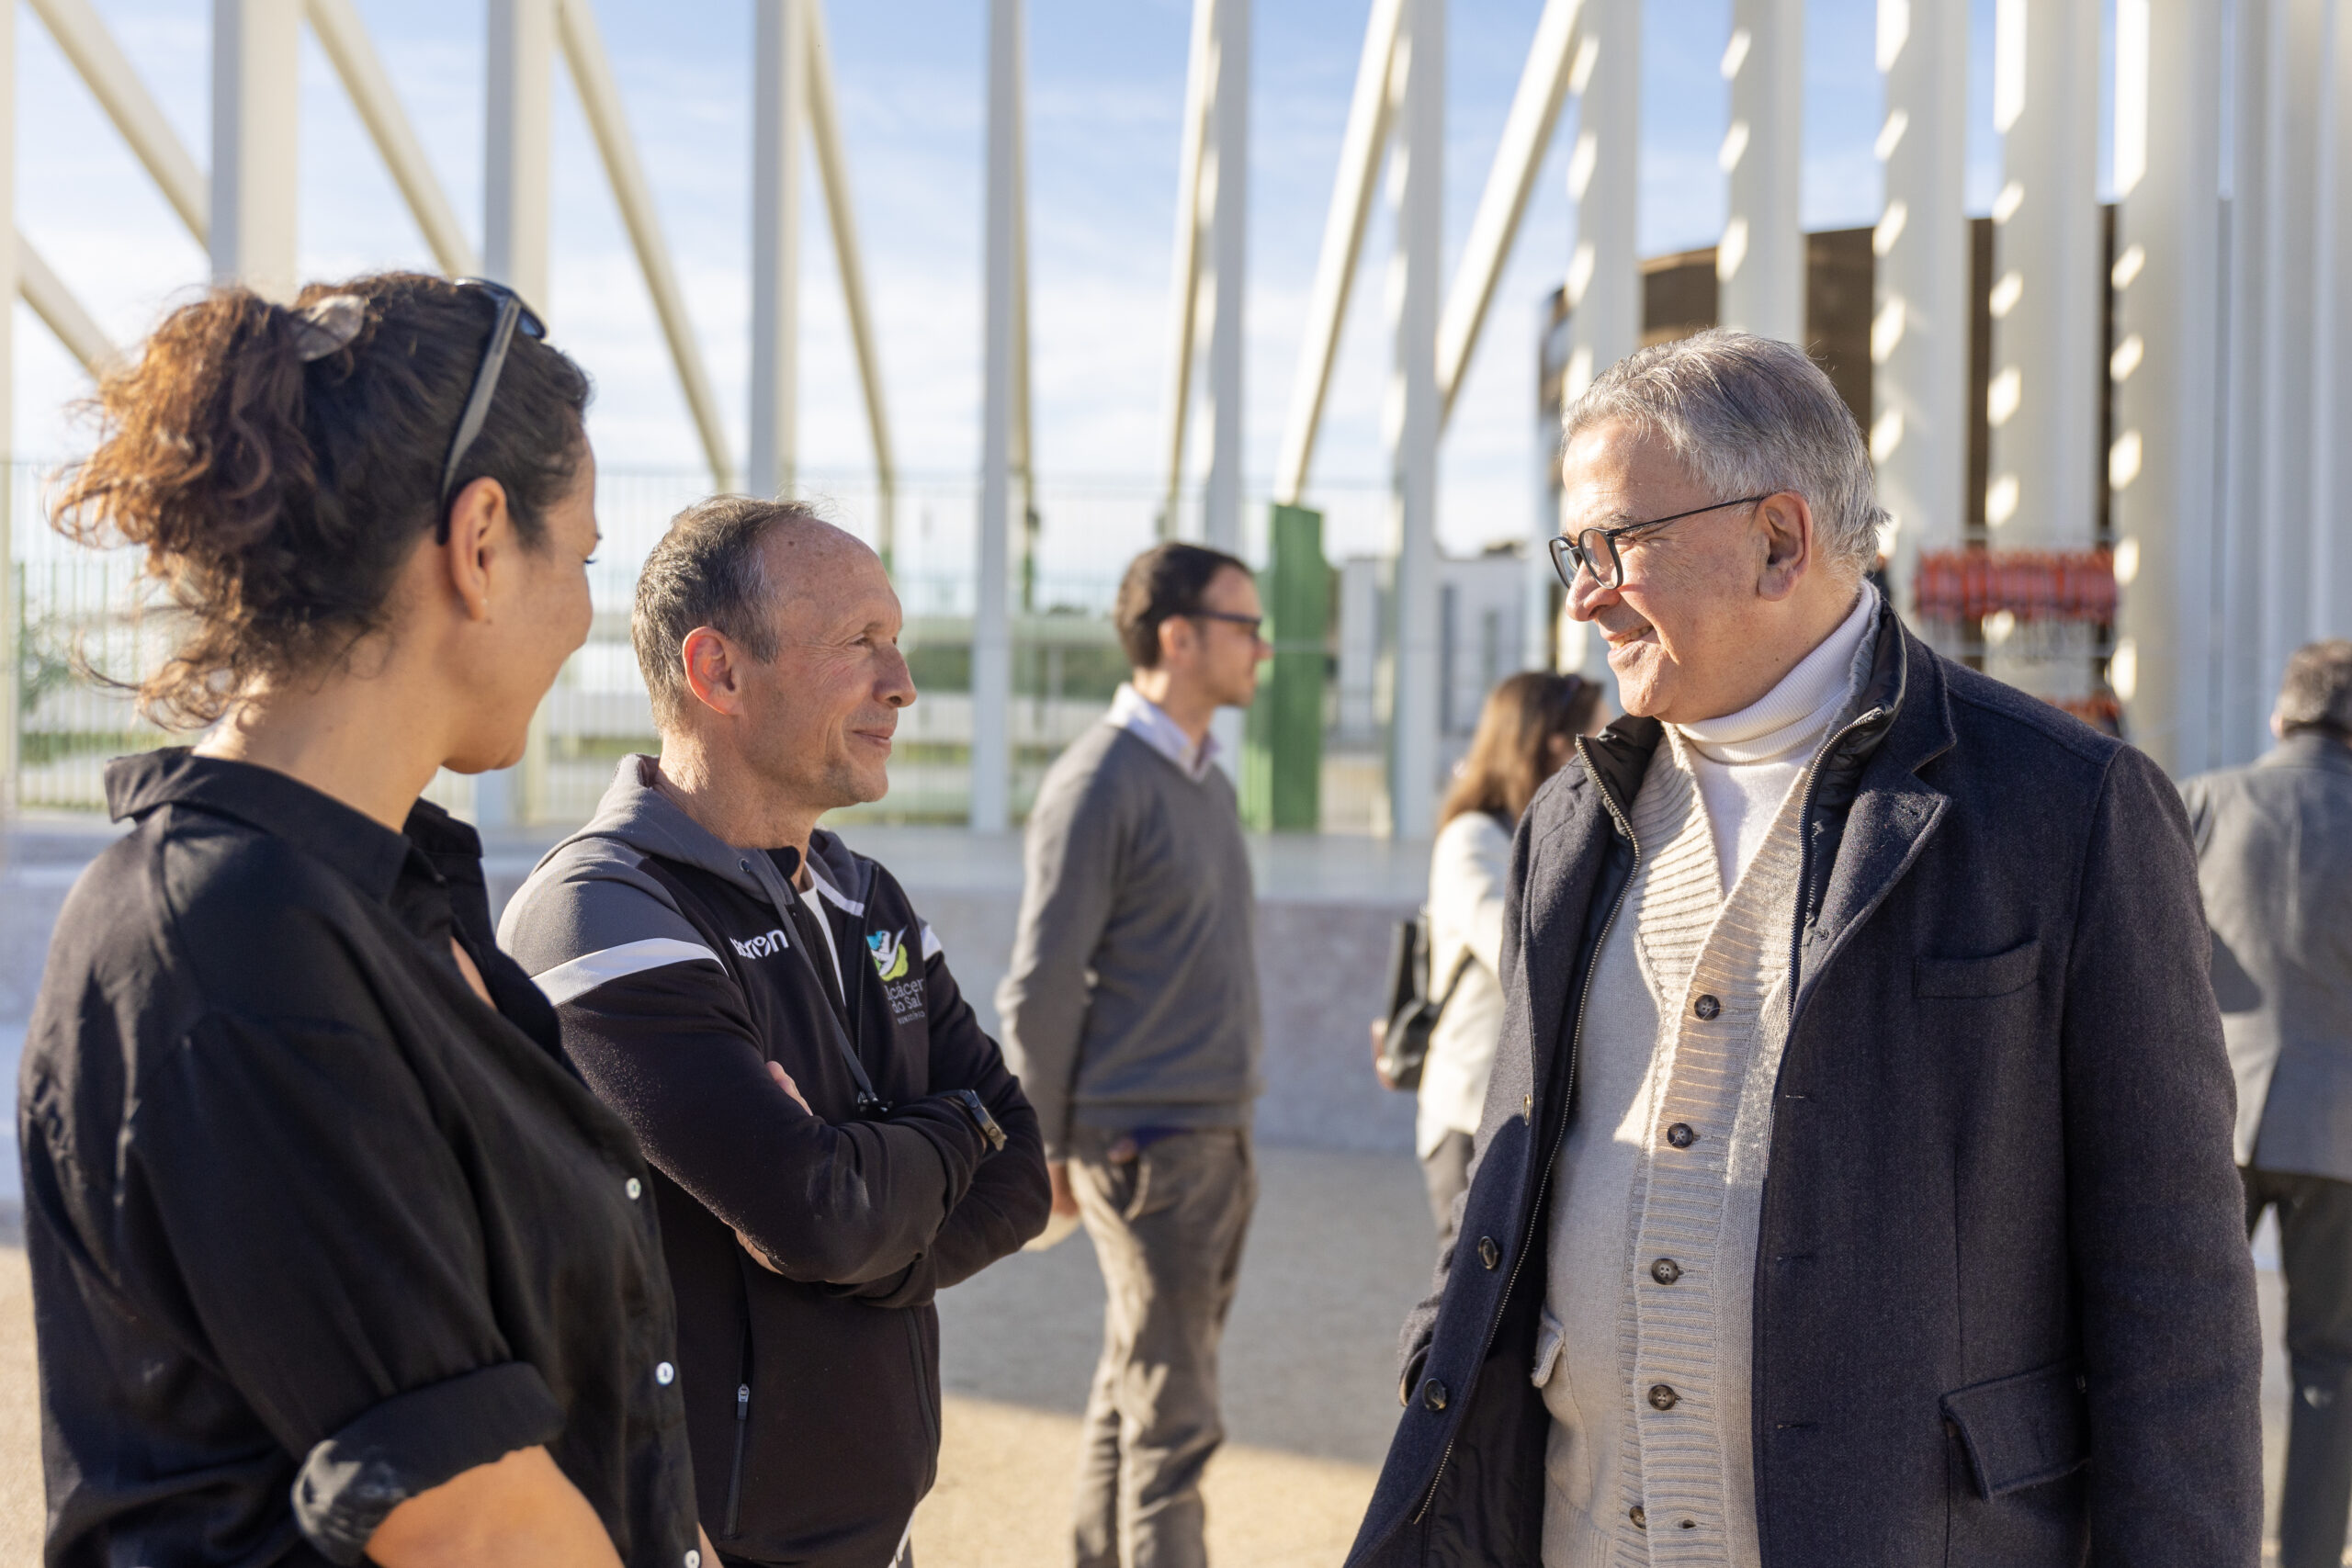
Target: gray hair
x=2317 y=692
x=705 y=572
x=1748 y=415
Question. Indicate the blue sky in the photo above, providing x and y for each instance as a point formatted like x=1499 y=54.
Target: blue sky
x=1106 y=88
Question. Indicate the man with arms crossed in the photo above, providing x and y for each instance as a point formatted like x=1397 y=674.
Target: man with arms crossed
x=2274 y=856
x=1854 y=1188
x=833 y=1138
x=1131 y=1014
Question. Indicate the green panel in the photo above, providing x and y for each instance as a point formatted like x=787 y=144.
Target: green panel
x=1282 y=764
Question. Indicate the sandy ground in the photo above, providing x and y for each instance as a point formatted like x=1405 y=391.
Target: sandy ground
x=1339 y=1249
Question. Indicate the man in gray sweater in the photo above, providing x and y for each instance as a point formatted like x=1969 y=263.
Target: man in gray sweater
x=1131 y=1017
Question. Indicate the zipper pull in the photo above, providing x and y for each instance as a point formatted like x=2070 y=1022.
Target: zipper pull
x=742 y=1402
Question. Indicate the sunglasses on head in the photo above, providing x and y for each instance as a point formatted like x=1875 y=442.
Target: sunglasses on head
x=513 y=316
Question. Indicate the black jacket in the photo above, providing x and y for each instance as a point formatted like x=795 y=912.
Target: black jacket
x=679 y=969
x=2004 y=1311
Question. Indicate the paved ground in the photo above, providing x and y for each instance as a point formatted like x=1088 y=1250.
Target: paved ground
x=1339 y=1249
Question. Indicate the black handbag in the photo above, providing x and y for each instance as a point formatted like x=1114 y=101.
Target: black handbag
x=1412 y=1014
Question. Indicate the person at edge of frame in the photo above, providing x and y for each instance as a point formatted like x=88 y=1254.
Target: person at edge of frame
x=1131 y=1013
x=2274 y=858
x=1854 y=1187
x=834 y=1138
x=333 y=1260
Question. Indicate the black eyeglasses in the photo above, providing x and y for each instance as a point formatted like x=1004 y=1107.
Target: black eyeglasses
x=513 y=316
x=1595 y=549
x=1248 y=623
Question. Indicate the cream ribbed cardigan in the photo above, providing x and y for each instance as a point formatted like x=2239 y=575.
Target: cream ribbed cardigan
x=1612 y=1329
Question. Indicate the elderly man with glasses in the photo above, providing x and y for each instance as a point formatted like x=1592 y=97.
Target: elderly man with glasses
x=1856 y=1186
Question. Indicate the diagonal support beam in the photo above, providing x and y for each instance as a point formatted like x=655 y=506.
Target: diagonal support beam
x=1335 y=268
x=344 y=37
x=55 y=303
x=841 y=217
x=1519 y=159
x=83 y=39
x=600 y=98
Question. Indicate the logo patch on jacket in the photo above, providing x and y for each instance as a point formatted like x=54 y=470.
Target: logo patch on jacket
x=760 y=946
x=889 y=950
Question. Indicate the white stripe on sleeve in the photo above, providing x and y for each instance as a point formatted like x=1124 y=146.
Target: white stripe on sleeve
x=584 y=974
x=932 y=947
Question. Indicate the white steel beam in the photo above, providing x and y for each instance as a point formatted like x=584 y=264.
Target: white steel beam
x=2331 y=574
x=2242 y=703
x=600 y=99
x=519 y=131
x=2047 y=303
x=62 y=313
x=1226 y=174
x=1228 y=196
x=344 y=37
x=1919 y=314
x=2290 y=290
x=2165 y=367
x=82 y=37
x=841 y=217
x=1025 y=424
x=1184 y=292
x=991 y=804
x=1760 y=262
x=256 y=98
x=1510 y=181
x=1335 y=268
x=520 y=127
x=1604 y=180
x=1412 y=415
x=779 y=84
x=9 y=629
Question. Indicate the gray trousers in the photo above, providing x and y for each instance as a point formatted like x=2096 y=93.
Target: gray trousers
x=2315 y=1255
x=1167 y=1212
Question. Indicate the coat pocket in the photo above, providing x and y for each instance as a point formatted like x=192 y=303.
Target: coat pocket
x=1995 y=975
x=2025 y=1430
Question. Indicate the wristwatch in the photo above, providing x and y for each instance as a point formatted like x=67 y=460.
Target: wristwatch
x=977 y=1110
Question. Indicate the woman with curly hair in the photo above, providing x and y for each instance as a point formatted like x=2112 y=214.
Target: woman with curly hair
x=331 y=1254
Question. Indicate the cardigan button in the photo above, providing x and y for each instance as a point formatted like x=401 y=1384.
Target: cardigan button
x=1663 y=1397
x=1433 y=1394
x=1707 y=1006
x=1681 y=1136
x=1488 y=1253
x=1641 y=1519
x=1666 y=1270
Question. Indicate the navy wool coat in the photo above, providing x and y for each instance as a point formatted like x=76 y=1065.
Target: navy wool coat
x=2004 y=1309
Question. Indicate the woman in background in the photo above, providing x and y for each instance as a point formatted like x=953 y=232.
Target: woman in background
x=1525 y=732
x=331 y=1254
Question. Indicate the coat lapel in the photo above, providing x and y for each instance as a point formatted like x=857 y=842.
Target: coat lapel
x=1894 y=815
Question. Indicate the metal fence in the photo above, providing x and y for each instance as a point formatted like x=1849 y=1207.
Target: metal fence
x=81 y=610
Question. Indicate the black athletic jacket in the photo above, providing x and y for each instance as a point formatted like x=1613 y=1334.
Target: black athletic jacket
x=679 y=969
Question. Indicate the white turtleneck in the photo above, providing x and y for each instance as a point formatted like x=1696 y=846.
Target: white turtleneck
x=1747 y=761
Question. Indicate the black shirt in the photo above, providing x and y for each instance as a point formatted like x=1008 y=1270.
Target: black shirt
x=312 y=1230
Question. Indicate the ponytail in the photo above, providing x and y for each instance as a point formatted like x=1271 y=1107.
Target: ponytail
x=279 y=466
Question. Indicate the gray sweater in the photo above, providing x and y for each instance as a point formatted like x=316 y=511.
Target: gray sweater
x=1133 y=997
